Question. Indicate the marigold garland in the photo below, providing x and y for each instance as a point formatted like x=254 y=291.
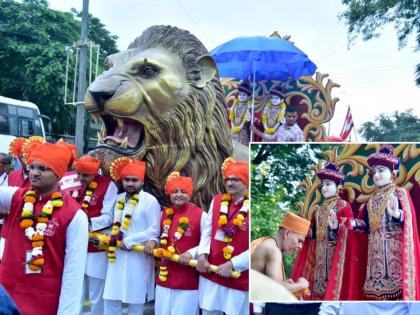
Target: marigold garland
x=229 y=231
x=183 y=224
x=88 y=195
x=280 y=116
x=234 y=128
x=36 y=235
x=116 y=233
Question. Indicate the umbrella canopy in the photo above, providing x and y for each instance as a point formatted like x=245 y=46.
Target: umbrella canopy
x=269 y=58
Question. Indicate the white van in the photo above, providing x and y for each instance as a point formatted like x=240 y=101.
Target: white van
x=18 y=119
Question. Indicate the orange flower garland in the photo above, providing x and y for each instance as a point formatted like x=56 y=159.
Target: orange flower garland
x=183 y=224
x=88 y=195
x=230 y=230
x=36 y=235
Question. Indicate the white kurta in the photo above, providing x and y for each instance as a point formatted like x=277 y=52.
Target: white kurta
x=76 y=249
x=175 y=301
x=132 y=276
x=97 y=263
x=213 y=296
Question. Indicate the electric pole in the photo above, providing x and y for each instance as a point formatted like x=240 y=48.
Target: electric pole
x=81 y=87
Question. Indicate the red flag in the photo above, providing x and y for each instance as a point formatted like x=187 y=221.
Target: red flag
x=348 y=125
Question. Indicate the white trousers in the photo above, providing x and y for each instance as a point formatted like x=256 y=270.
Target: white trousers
x=114 y=307
x=94 y=294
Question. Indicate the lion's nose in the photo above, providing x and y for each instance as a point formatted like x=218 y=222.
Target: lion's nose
x=101 y=97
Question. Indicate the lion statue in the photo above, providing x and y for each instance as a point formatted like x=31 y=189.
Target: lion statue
x=161 y=101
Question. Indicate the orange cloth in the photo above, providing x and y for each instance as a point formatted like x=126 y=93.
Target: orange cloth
x=87 y=165
x=16 y=147
x=71 y=147
x=175 y=181
x=135 y=168
x=236 y=168
x=295 y=223
x=52 y=155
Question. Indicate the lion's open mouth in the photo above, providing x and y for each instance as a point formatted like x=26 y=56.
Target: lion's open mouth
x=123 y=135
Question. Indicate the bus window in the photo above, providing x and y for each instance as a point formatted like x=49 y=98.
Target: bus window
x=26 y=127
x=13 y=126
x=4 y=125
x=25 y=112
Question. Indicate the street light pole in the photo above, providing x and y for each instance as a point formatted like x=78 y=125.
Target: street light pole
x=81 y=87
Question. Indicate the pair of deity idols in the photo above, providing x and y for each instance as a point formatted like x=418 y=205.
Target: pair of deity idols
x=366 y=253
x=240 y=113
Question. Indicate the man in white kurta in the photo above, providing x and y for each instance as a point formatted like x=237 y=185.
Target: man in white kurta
x=99 y=207
x=130 y=279
x=216 y=299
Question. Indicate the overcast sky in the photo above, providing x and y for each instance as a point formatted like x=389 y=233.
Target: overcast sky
x=375 y=76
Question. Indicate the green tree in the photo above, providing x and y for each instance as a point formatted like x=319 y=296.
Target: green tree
x=367 y=17
x=33 y=55
x=399 y=126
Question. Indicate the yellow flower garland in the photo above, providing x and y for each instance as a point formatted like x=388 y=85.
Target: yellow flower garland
x=116 y=234
x=280 y=116
x=234 y=128
x=238 y=222
x=88 y=195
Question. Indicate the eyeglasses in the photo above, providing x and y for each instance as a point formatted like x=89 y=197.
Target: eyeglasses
x=233 y=180
x=40 y=168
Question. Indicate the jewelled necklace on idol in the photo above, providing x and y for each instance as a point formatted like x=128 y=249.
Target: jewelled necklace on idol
x=116 y=233
x=36 y=235
x=183 y=224
x=229 y=230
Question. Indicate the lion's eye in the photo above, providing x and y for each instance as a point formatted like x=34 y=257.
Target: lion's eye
x=146 y=70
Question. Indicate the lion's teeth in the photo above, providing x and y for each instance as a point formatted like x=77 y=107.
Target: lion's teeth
x=103 y=131
x=120 y=122
x=100 y=138
x=124 y=143
x=95 y=118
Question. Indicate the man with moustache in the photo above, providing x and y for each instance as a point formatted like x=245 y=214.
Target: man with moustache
x=130 y=275
x=96 y=197
x=49 y=233
x=225 y=242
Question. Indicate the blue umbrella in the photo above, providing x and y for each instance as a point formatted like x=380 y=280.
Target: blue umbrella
x=262 y=58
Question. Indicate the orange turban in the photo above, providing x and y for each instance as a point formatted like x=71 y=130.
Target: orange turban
x=87 y=165
x=124 y=166
x=16 y=147
x=238 y=169
x=29 y=145
x=295 y=223
x=71 y=147
x=52 y=155
x=175 y=181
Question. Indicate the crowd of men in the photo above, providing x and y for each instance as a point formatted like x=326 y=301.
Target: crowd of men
x=183 y=257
